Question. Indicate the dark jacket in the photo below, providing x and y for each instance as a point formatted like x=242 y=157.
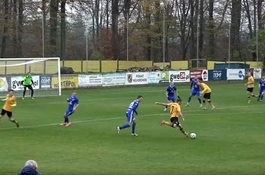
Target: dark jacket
x=29 y=171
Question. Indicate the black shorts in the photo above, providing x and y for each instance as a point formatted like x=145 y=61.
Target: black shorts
x=250 y=89
x=9 y=113
x=174 y=120
x=28 y=86
x=207 y=95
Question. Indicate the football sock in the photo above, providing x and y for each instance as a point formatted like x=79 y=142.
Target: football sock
x=125 y=126
x=13 y=120
x=32 y=92
x=248 y=98
x=66 y=119
x=24 y=92
x=200 y=101
x=182 y=130
x=261 y=98
x=133 y=127
x=189 y=100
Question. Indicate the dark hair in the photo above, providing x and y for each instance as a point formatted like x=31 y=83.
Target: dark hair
x=11 y=90
x=179 y=100
x=139 y=96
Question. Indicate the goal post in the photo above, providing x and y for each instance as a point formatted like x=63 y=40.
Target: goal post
x=45 y=72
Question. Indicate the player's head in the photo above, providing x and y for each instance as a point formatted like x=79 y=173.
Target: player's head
x=263 y=77
x=32 y=163
x=179 y=101
x=171 y=83
x=249 y=74
x=10 y=92
x=74 y=94
x=140 y=98
x=29 y=74
x=199 y=83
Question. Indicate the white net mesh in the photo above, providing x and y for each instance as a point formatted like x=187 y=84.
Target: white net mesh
x=44 y=71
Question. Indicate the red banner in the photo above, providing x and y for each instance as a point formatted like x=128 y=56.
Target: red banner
x=201 y=74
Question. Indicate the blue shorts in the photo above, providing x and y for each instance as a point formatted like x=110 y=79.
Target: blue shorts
x=130 y=116
x=69 y=112
x=261 y=91
x=172 y=98
x=193 y=93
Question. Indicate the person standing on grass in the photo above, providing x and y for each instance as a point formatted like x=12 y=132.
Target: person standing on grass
x=73 y=104
x=130 y=115
x=28 y=83
x=30 y=168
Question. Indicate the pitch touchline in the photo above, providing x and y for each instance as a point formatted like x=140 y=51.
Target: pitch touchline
x=116 y=118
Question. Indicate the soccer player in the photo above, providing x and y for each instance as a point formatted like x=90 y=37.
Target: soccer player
x=10 y=102
x=195 y=90
x=206 y=92
x=73 y=104
x=175 y=111
x=27 y=83
x=130 y=115
x=262 y=88
x=170 y=93
x=250 y=88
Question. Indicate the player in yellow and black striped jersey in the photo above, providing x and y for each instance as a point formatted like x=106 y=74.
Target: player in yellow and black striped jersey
x=250 y=89
x=175 y=111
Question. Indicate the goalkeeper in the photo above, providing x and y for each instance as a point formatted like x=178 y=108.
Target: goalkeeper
x=27 y=83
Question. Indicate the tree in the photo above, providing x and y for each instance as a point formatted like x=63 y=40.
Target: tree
x=4 y=38
x=235 y=28
x=211 y=30
x=53 y=27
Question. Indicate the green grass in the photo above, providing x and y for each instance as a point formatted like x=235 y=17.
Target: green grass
x=230 y=140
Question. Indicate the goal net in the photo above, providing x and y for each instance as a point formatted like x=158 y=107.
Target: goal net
x=45 y=73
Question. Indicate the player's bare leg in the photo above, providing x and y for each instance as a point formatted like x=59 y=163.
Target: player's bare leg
x=11 y=119
x=211 y=103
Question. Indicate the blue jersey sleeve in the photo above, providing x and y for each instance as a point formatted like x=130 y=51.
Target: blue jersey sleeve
x=77 y=100
x=135 y=106
x=175 y=89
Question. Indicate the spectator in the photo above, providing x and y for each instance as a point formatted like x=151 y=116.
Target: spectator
x=30 y=168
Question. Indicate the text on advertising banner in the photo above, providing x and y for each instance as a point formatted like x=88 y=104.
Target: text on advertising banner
x=217 y=75
x=154 y=77
x=201 y=74
x=45 y=82
x=179 y=76
x=235 y=74
x=16 y=83
x=114 y=79
x=90 y=80
x=66 y=82
x=257 y=73
x=136 y=78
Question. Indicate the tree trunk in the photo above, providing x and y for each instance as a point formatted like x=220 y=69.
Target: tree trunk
x=4 y=38
x=211 y=30
x=260 y=13
x=97 y=20
x=201 y=29
x=115 y=15
x=148 y=28
x=193 y=29
x=107 y=16
x=53 y=27
x=15 y=28
x=248 y=14
x=20 y=28
x=235 y=28
x=63 y=29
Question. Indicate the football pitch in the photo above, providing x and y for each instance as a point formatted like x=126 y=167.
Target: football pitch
x=230 y=140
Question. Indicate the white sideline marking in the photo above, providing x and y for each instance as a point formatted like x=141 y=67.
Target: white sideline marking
x=116 y=118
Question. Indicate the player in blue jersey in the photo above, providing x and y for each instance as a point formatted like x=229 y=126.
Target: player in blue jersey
x=195 y=90
x=170 y=93
x=73 y=104
x=262 y=89
x=130 y=115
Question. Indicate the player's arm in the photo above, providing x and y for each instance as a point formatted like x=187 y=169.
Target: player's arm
x=182 y=116
x=32 y=83
x=251 y=81
x=167 y=93
x=135 y=106
x=76 y=106
x=163 y=104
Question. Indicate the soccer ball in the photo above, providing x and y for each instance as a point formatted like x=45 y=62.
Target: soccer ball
x=192 y=135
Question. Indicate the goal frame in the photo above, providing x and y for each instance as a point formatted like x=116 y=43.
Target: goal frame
x=41 y=59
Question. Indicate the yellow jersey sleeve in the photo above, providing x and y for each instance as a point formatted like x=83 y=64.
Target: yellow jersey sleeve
x=251 y=82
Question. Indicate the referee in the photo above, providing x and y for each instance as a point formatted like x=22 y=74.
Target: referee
x=27 y=83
